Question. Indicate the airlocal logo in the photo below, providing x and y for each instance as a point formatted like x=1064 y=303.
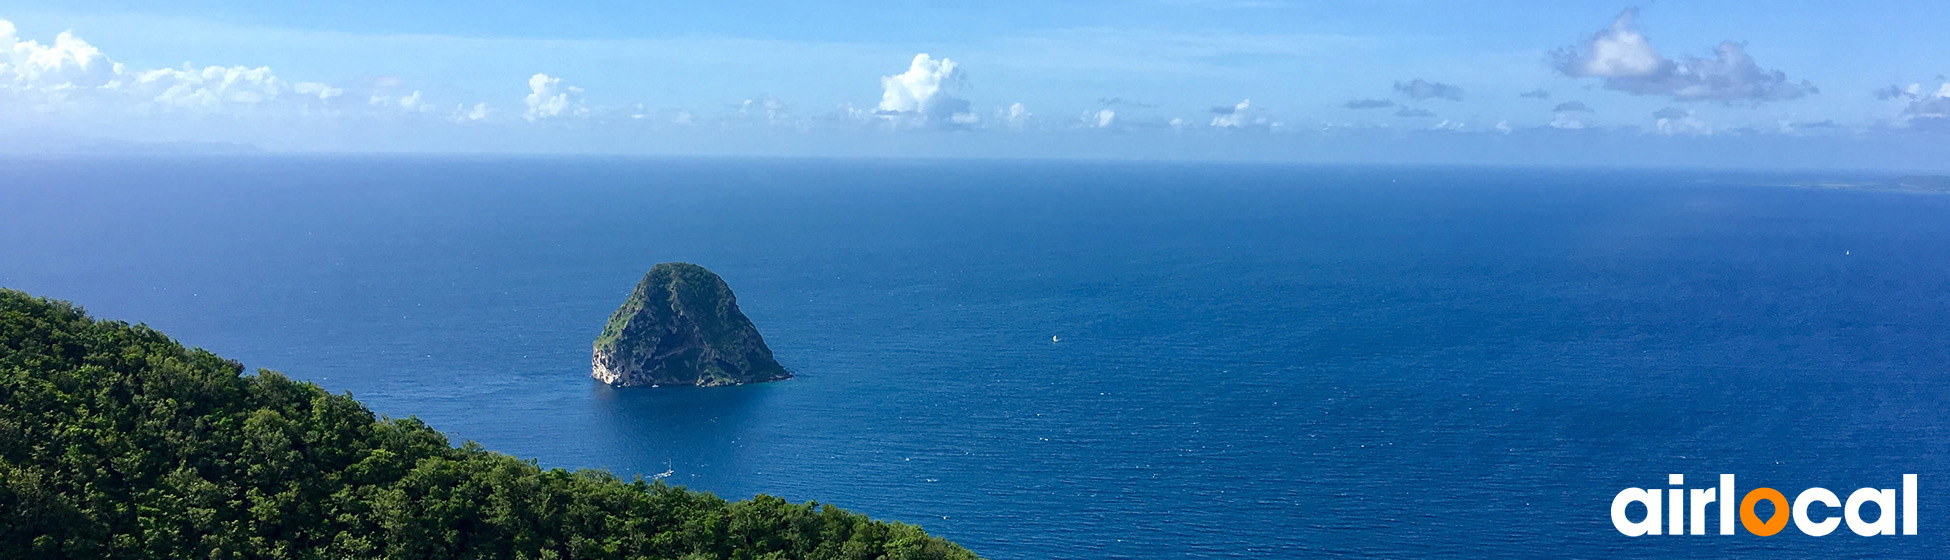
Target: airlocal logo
x=1678 y=516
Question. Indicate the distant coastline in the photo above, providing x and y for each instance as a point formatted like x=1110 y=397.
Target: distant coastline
x=1931 y=184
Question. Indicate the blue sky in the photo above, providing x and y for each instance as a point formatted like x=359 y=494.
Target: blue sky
x=1788 y=84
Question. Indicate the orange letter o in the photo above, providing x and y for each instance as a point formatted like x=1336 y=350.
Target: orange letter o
x=1752 y=522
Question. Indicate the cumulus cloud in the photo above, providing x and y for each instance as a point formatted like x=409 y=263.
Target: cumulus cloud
x=67 y=63
x=409 y=103
x=1674 y=121
x=1535 y=94
x=1101 y=119
x=1239 y=115
x=1412 y=112
x=1368 y=104
x=548 y=98
x=1912 y=92
x=1927 y=110
x=70 y=65
x=1420 y=89
x=463 y=113
x=211 y=87
x=1893 y=91
x=927 y=94
x=1572 y=107
x=1567 y=121
x=70 y=71
x=322 y=91
x=769 y=110
x=1016 y=116
x=1626 y=61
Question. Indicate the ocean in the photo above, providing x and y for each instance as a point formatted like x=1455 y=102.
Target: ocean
x=1085 y=359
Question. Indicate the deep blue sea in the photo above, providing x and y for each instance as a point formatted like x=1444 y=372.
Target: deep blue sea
x=1249 y=361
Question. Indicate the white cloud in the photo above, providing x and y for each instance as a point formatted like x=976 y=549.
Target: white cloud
x=548 y=98
x=463 y=113
x=766 y=109
x=83 y=78
x=409 y=103
x=1625 y=59
x=211 y=87
x=1101 y=119
x=1674 y=121
x=322 y=91
x=1567 y=121
x=928 y=93
x=1921 y=108
x=68 y=63
x=1016 y=116
x=1236 y=116
x=1503 y=127
x=1619 y=51
x=1929 y=111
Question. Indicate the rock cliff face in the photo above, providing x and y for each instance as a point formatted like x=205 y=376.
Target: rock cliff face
x=682 y=327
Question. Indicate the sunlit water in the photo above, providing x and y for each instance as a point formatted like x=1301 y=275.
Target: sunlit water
x=1252 y=361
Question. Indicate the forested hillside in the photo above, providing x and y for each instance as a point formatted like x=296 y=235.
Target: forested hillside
x=117 y=442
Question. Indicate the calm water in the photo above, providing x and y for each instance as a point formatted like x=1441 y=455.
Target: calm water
x=1255 y=362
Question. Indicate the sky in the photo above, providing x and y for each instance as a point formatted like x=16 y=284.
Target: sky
x=1793 y=84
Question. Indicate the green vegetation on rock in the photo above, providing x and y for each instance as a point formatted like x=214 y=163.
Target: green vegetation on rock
x=682 y=326
x=117 y=442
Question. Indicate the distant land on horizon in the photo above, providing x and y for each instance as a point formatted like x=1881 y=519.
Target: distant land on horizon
x=1924 y=184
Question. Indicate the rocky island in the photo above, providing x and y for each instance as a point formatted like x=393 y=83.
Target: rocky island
x=682 y=326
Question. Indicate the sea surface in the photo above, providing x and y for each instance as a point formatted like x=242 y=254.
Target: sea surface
x=1085 y=360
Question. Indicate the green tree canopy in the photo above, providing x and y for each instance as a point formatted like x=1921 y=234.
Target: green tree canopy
x=117 y=442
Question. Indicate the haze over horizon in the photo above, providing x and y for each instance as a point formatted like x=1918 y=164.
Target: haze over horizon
x=1718 y=84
